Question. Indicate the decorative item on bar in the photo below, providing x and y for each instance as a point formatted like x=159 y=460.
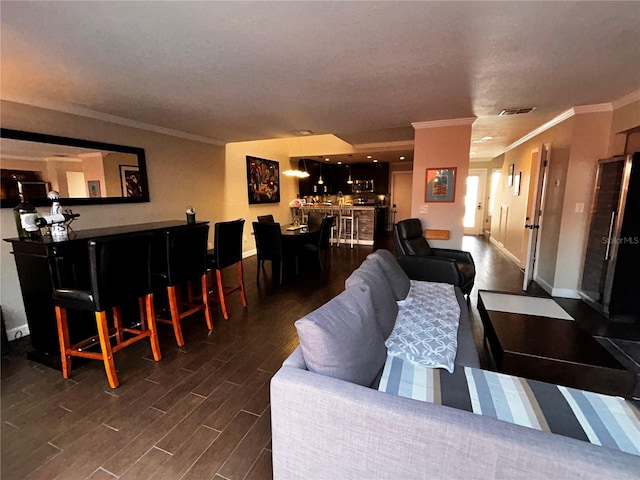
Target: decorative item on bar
x=191 y=215
x=25 y=216
x=295 y=206
x=58 y=221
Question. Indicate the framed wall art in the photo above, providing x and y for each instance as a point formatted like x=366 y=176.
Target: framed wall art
x=94 y=188
x=510 y=176
x=131 y=181
x=263 y=180
x=440 y=185
x=516 y=184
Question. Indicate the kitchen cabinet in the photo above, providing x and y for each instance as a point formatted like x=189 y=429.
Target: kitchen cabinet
x=336 y=176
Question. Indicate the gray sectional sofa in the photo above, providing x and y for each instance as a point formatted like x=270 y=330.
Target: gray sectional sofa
x=328 y=421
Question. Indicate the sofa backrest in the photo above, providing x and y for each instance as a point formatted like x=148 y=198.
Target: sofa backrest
x=395 y=275
x=370 y=274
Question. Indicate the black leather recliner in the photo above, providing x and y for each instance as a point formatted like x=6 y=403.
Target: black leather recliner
x=421 y=262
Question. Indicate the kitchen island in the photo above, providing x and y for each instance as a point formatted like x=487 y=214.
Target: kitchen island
x=366 y=219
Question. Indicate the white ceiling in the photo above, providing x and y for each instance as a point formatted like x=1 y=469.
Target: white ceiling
x=234 y=71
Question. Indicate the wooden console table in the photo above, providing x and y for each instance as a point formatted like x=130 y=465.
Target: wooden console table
x=44 y=265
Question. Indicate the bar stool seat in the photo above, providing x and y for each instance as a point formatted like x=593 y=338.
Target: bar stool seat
x=119 y=273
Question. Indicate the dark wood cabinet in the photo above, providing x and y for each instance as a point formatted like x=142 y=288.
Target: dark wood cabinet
x=335 y=177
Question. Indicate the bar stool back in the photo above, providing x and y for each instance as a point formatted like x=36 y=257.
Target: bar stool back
x=119 y=273
x=347 y=224
x=186 y=262
x=227 y=251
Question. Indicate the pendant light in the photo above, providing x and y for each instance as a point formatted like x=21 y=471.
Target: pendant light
x=349 y=181
x=320 y=180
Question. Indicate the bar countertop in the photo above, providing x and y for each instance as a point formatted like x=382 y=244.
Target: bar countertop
x=105 y=231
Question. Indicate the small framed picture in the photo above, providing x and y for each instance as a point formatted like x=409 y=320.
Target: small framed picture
x=510 y=176
x=440 y=185
x=516 y=184
x=94 y=188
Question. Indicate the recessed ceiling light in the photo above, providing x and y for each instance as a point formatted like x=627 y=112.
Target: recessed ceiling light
x=304 y=132
x=375 y=161
x=368 y=156
x=401 y=158
x=339 y=163
x=326 y=159
x=484 y=139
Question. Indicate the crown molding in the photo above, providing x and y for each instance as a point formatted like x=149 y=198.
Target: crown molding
x=596 y=108
x=385 y=145
x=106 y=117
x=626 y=100
x=567 y=114
x=453 y=122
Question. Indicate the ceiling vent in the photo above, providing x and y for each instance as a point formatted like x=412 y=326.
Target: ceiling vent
x=515 y=111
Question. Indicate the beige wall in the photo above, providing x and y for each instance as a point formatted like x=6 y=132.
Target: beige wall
x=181 y=172
x=440 y=147
x=235 y=193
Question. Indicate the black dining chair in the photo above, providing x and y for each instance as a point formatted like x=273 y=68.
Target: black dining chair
x=314 y=220
x=227 y=251
x=185 y=262
x=269 y=247
x=321 y=242
x=119 y=275
x=266 y=219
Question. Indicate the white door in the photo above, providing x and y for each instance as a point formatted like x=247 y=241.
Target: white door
x=539 y=162
x=76 y=185
x=474 y=201
x=401 y=188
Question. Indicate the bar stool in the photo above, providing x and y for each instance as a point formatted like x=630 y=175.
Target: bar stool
x=119 y=273
x=347 y=224
x=227 y=251
x=185 y=261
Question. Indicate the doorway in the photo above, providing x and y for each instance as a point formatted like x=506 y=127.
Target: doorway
x=401 y=188
x=474 y=201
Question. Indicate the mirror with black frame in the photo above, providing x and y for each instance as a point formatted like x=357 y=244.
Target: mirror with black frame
x=83 y=172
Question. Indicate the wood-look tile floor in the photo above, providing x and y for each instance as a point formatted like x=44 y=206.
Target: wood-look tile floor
x=200 y=413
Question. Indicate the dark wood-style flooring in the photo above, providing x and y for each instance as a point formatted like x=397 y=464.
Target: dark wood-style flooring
x=203 y=411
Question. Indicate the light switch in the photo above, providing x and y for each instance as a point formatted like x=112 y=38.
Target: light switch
x=579 y=207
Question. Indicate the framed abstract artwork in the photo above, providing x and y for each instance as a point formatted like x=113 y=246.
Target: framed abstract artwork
x=516 y=184
x=440 y=185
x=94 y=188
x=263 y=180
x=510 y=176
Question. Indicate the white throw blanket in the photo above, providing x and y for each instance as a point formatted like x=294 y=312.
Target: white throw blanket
x=426 y=330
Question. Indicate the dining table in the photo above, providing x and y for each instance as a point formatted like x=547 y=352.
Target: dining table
x=294 y=237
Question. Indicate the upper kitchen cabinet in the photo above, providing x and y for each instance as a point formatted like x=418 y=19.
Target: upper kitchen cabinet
x=335 y=177
x=378 y=172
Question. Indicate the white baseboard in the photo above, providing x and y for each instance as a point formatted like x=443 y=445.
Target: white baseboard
x=249 y=253
x=565 y=293
x=18 y=332
x=510 y=255
x=544 y=284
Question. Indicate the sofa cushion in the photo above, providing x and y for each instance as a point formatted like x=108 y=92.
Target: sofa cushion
x=396 y=276
x=341 y=339
x=591 y=417
x=384 y=303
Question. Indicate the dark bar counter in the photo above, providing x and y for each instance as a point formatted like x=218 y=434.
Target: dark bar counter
x=44 y=265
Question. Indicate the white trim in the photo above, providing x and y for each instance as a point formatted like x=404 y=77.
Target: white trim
x=106 y=117
x=389 y=145
x=543 y=283
x=18 y=332
x=626 y=100
x=444 y=123
x=565 y=293
x=249 y=253
x=567 y=114
x=510 y=255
